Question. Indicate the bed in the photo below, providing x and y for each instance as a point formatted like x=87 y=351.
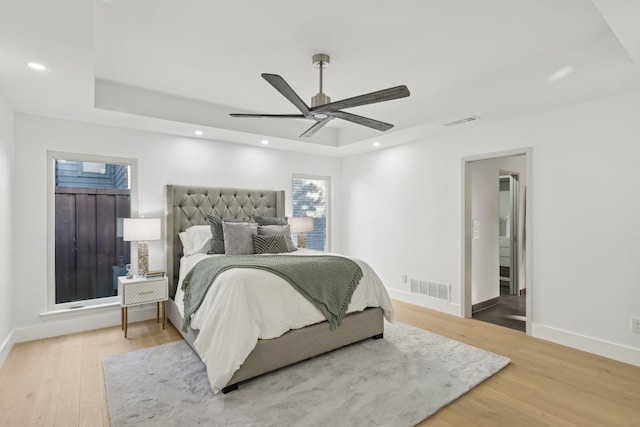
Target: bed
x=189 y=206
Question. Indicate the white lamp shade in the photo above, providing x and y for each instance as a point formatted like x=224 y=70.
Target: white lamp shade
x=301 y=224
x=141 y=229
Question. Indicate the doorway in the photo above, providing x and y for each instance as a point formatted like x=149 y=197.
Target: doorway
x=508 y=309
x=495 y=248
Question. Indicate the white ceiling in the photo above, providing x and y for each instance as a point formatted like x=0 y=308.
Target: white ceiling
x=174 y=66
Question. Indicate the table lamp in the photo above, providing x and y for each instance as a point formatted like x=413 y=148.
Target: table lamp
x=141 y=230
x=301 y=225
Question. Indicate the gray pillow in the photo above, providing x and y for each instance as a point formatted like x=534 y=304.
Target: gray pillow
x=271 y=220
x=267 y=230
x=217 y=234
x=237 y=237
x=272 y=244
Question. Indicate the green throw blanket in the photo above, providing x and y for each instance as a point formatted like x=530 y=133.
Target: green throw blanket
x=325 y=281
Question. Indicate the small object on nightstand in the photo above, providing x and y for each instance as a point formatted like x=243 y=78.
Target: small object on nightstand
x=142 y=290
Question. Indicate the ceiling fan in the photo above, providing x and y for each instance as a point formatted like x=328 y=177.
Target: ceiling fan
x=322 y=110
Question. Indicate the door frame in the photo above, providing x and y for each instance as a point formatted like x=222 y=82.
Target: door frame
x=467 y=229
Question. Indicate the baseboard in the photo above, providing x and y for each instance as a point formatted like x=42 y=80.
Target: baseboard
x=425 y=301
x=89 y=322
x=603 y=348
x=6 y=347
x=485 y=304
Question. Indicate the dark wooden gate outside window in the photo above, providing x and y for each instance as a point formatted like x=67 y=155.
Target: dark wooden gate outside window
x=87 y=246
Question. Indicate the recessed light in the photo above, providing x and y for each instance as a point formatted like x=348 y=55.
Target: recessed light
x=265 y=142
x=199 y=132
x=36 y=66
x=376 y=144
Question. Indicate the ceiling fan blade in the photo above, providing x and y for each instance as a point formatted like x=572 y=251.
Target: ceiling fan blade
x=269 y=116
x=364 y=121
x=316 y=127
x=369 y=98
x=283 y=87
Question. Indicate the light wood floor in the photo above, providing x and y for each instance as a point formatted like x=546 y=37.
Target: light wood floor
x=58 y=381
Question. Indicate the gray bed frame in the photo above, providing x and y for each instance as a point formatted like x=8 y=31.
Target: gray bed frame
x=186 y=206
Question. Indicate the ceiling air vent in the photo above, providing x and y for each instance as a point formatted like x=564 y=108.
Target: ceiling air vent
x=462 y=121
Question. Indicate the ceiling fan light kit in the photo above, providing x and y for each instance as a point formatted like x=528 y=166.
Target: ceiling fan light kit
x=322 y=110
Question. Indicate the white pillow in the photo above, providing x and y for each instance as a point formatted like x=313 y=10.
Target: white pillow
x=195 y=239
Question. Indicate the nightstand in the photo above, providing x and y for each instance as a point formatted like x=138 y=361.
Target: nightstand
x=142 y=290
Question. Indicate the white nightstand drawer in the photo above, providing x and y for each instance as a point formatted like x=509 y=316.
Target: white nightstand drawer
x=144 y=292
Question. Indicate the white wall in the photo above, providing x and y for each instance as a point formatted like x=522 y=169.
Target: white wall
x=402 y=213
x=162 y=159
x=485 y=206
x=6 y=241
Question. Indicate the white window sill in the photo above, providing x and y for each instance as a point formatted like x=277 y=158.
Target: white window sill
x=70 y=312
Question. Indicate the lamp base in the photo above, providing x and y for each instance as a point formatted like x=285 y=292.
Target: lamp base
x=302 y=240
x=143 y=258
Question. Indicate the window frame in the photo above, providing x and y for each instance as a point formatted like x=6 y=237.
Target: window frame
x=328 y=207
x=52 y=156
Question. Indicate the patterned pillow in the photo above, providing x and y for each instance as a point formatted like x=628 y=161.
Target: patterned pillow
x=271 y=220
x=272 y=244
x=216 y=246
x=237 y=237
x=267 y=230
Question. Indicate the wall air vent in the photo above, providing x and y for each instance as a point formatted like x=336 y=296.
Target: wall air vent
x=431 y=289
x=462 y=121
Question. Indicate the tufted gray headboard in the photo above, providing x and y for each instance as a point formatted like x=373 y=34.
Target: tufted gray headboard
x=186 y=206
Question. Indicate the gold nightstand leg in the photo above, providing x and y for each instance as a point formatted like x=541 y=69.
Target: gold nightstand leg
x=164 y=314
x=158 y=312
x=126 y=320
x=122 y=318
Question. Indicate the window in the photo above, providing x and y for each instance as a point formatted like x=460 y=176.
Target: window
x=88 y=197
x=311 y=198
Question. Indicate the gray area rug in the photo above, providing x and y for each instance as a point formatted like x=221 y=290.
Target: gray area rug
x=396 y=381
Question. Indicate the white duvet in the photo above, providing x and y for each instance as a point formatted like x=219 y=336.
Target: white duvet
x=244 y=305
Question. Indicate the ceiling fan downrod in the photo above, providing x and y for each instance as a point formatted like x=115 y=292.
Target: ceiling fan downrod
x=320 y=60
